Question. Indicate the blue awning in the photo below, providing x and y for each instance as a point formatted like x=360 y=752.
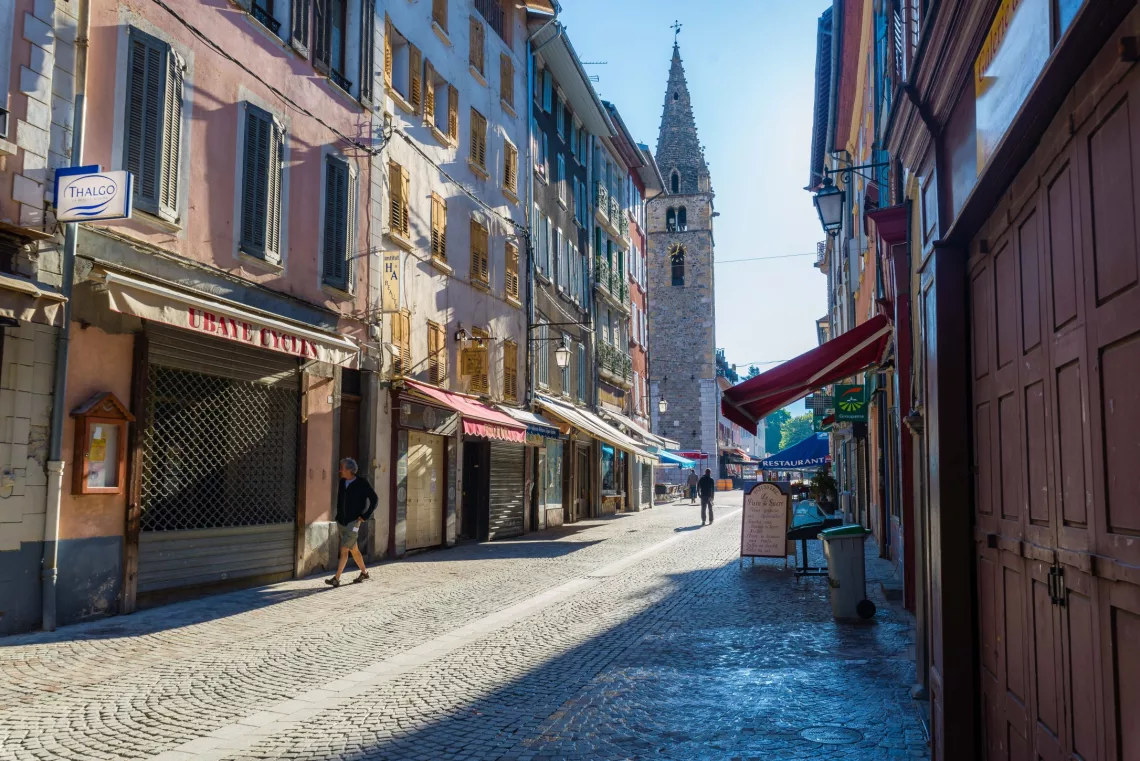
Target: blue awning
x=809 y=454
x=677 y=459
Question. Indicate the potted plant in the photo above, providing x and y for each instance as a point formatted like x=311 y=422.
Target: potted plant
x=823 y=488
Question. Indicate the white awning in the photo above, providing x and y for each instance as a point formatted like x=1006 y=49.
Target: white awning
x=649 y=438
x=227 y=320
x=24 y=301
x=535 y=424
x=595 y=426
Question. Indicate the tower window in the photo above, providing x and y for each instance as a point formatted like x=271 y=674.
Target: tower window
x=677 y=263
x=675 y=95
x=671 y=221
x=682 y=220
x=675 y=181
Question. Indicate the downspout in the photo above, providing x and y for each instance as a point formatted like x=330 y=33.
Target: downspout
x=49 y=574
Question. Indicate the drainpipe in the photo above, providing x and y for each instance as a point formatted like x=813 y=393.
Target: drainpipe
x=49 y=574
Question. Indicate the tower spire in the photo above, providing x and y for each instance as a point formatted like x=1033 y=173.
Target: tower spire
x=678 y=147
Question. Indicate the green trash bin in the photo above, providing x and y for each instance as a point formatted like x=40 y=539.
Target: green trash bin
x=846 y=572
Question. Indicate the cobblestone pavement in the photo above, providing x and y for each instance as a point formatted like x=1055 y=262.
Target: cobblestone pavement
x=634 y=637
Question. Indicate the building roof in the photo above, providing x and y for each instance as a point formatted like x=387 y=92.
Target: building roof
x=553 y=46
x=650 y=174
x=678 y=146
x=823 y=43
x=623 y=141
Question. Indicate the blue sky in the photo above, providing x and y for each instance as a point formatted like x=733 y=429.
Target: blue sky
x=750 y=66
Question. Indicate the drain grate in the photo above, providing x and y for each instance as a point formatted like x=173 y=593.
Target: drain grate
x=832 y=735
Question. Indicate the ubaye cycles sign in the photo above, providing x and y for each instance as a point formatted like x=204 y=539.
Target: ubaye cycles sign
x=88 y=194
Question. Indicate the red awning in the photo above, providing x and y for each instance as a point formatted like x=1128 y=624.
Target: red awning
x=843 y=356
x=478 y=419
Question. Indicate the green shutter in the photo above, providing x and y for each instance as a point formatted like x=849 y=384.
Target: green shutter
x=300 y=11
x=171 y=138
x=335 y=244
x=145 y=92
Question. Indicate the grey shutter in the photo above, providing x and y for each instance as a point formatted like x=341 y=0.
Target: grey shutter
x=367 y=50
x=336 y=221
x=322 y=35
x=273 y=195
x=299 y=13
x=171 y=137
x=255 y=180
x=145 y=92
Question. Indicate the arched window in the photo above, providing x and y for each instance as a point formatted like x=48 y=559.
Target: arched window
x=671 y=220
x=677 y=263
x=682 y=220
x=675 y=95
x=675 y=182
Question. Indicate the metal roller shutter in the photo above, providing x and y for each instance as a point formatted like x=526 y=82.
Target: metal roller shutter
x=219 y=463
x=506 y=490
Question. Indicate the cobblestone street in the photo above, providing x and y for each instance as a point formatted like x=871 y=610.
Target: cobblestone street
x=634 y=637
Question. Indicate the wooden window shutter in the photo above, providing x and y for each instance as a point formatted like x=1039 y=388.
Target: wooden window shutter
x=510 y=370
x=387 y=51
x=261 y=185
x=481 y=384
x=322 y=36
x=478 y=139
x=439 y=13
x=415 y=77
x=300 y=12
x=438 y=228
x=273 y=195
x=437 y=355
x=506 y=79
x=336 y=234
x=452 y=112
x=368 y=51
x=398 y=192
x=171 y=137
x=401 y=337
x=429 y=92
x=145 y=93
x=477 y=45
x=479 y=263
x=510 y=168
x=512 y=268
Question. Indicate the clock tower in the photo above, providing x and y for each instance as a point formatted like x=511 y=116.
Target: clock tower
x=682 y=299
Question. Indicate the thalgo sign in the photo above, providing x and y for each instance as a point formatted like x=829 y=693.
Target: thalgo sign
x=86 y=194
x=248 y=333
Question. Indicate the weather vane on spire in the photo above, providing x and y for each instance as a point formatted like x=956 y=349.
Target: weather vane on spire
x=676 y=27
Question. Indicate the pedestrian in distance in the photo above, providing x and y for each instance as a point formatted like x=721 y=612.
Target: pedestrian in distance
x=707 y=488
x=355 y=503
x=693 y=486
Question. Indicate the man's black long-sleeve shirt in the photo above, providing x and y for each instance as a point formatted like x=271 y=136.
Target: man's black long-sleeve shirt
x=706 y=486
x=357 y=500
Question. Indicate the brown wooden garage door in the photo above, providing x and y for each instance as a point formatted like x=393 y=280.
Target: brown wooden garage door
x=1055 y=340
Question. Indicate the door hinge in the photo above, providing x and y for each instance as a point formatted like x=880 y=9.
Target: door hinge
x=1057 y=585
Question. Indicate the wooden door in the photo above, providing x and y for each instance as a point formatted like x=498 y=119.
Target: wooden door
x=426 y=484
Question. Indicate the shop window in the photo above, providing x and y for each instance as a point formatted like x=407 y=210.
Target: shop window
x=153 y=134
x=552 y=477
x=609 y=469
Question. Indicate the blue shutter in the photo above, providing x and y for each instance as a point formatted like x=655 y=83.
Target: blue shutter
x=261 y=185
x=335 y=239
x=145 y=96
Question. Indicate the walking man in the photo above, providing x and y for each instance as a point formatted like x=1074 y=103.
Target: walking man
x=707 y=488
x=355 y=503
x=693 y=486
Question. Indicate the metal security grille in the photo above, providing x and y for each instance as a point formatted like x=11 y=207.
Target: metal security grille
x=217 y=452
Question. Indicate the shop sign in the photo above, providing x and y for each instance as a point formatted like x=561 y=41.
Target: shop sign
x=390 y=282
x=823 y=423
x=1013 y=54
x=851 y=403
x=473 y=360
x=764 y=526
x=86 y=194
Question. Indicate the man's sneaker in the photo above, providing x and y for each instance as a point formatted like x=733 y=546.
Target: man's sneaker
x=333 y=582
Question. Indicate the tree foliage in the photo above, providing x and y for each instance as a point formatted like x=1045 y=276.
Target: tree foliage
x=795 y=430
x=773 y=430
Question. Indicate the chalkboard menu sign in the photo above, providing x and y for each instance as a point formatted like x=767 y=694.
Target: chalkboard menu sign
x=764 y=526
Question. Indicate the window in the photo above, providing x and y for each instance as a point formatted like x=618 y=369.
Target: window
x=582 y=372
x=682 y=220
x=561 y=179
x=436 y=92
x=506 y=79
x=437 y=355
x=398 y=193
x=368 y=51
x=438 y=228
x=439 y=13
x=480 y=268
x=538 y=72
x=671 y=220
x=582 y=147
x=511 y=256
x=574 y=138
x=478 y=155
x=542 y=355
x=339 y=223
x=560 y=118
x=547 y=90
x=402 y=338
x=481 y=383
x=675 y=181
x=154 y=124
x=261 y=185
x=577 y=197
x=548 y=244
x=677 y=264
x=540 y=156
x=511 y=170
x=558 y=272
x=510 y=371
x=331 y=54
x=403 y=68
x=475 y=58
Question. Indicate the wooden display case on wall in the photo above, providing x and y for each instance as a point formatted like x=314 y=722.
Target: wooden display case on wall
x=100 y=453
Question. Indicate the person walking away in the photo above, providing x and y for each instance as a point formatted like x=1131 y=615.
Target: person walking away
x=707 y=488
x=355 y=503
x=693 y=486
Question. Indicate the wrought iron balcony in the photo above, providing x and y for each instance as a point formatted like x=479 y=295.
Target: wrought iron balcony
x=263 y=18
x=340 y=80
x=602 y=272
x=492 y=11
x=602 y=196
x=615 y=213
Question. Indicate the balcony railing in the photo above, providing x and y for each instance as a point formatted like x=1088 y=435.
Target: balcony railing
x=820 y=252
x=263 y=17
x=614 y=364
x=492 y=11
x=602 y=272
x=615 y=213
x=624 y=226
x=602 y=197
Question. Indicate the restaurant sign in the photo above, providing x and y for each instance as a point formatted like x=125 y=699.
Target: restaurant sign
x=851 y=403
x=1013 y=54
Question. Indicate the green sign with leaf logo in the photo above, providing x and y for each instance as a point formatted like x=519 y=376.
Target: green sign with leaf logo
x=851 y=403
